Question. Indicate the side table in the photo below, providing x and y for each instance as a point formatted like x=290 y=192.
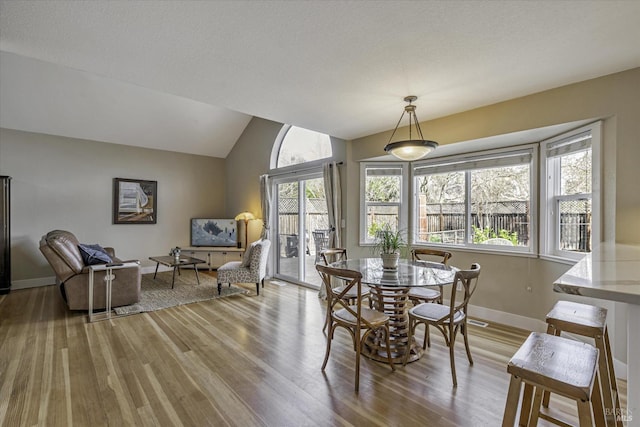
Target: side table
x=109 y=276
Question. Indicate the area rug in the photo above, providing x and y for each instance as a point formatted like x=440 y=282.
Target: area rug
x=157 y=294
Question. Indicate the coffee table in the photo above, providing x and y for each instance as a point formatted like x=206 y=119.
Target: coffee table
x=176 y=263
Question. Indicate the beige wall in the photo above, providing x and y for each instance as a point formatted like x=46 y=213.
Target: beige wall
x=505 y=279
x=64 y=183
x=250 y=158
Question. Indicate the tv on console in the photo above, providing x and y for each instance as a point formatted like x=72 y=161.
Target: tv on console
x=214 y=232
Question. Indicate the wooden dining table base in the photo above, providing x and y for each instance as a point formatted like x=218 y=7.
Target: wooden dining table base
x=393 y=301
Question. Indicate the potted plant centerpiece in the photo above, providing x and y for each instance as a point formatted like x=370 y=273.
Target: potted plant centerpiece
x=389 y=243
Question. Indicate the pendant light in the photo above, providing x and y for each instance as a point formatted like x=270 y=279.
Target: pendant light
x=410 y=149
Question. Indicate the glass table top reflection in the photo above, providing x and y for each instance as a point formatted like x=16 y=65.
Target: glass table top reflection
x=409 y=273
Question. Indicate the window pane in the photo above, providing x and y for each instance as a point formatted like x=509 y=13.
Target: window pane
x=302 y=145
x=575 y=225
x=441 y=210
x=385 y=189
x=380 y=215
x=575 y=173
x=500 y=206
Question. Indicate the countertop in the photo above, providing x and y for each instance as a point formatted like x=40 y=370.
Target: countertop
x=610 y=272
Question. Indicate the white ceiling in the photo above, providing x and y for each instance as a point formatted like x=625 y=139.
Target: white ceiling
x=188 y=76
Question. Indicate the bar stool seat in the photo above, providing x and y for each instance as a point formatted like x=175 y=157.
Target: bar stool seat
x=589 y=321
x=559 y=365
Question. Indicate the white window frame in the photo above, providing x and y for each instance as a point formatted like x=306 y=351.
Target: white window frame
x=550 y=191
x=403 y=211
x=467 y=163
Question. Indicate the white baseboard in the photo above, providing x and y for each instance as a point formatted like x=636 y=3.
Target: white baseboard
x=515 y=320
x=33 y=283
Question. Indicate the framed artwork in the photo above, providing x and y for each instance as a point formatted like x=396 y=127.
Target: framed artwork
x=135 y=201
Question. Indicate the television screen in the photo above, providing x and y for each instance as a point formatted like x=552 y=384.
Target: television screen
x=213 y=232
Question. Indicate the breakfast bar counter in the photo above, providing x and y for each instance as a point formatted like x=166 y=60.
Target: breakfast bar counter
x=612 y=272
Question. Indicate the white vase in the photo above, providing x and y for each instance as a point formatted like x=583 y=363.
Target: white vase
x=390 y=261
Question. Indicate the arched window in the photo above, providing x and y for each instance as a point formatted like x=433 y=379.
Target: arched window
x=300 y=145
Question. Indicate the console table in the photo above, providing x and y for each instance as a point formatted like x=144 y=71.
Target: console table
x=612 y=272
x=214 y=257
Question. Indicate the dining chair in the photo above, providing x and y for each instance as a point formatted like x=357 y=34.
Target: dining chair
x=358 y=320
x=418 y=295
x=449 y=320
x=321 y=241
x=334 y=255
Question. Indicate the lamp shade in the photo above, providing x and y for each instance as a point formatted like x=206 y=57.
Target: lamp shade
x=244 y=216
x=410 y=149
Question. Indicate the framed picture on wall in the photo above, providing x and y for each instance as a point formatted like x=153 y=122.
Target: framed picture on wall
x=135 y=201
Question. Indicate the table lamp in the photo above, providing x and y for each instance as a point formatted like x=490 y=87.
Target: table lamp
x=246 y=217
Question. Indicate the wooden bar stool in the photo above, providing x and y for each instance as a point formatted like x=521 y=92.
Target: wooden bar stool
x=589 y=321
x=559 y=365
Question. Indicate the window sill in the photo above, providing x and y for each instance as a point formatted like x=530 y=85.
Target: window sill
x=559 y=260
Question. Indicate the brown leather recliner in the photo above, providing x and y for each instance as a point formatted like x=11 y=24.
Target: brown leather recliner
x=60 y=248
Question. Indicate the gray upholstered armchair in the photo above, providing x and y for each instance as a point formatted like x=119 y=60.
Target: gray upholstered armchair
x=61 y=249
x=252 y=269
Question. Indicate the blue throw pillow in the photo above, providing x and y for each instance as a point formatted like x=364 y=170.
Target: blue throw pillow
x=94 y=254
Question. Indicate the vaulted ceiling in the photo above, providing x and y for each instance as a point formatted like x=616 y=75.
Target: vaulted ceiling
x=188 y=76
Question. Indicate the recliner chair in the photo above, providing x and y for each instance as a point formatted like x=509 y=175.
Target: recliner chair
x=60 y=248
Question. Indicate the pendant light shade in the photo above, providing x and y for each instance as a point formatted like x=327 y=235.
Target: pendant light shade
x=410 y=149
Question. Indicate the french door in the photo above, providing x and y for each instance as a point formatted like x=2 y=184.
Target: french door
x=300 y=209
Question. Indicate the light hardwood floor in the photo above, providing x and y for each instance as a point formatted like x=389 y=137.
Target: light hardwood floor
x=244 y=360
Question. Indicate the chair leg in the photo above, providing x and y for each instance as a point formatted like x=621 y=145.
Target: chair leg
x=258 y=288
x=605 y=380
x=511 y=406
x=535 y=408
x=597 y=403
x=466 y=342
x=329 y=338
x=525 y=409
x=612 y=377
x=263 y=282
x=326 y=319
x=427 y=336
x=452 y=340
x=358 y=351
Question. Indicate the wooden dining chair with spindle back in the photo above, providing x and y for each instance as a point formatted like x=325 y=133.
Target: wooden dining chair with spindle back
x=358 y=320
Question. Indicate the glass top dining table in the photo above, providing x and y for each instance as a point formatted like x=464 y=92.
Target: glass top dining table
x=390 y=294
x=408 y=274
